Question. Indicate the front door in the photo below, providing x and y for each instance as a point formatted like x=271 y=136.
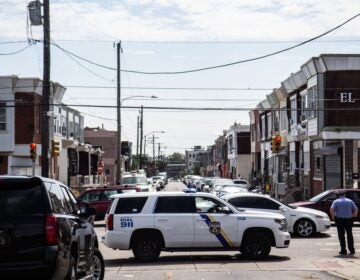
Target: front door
x=213 y=227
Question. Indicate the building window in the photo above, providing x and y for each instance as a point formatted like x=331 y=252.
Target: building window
x=2 y=116
x=231 y=143
x=276 y=121
x=312 y=102
x=263 y=128
x=318 y=163
x=269 y=127
x=293 y=112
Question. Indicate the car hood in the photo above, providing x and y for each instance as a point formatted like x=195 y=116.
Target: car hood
x=309 y=211
x=261 y=214
x=301 y=203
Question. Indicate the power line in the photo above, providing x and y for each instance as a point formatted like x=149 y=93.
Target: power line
x=18 y=51
x=216 y=66
x=189 y=108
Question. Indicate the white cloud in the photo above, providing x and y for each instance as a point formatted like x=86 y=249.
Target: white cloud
x=187 y=19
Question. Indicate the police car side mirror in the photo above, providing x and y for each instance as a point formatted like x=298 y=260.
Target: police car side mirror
x=224 y=210
x=282 y=209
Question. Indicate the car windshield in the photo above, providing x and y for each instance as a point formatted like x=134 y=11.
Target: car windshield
x=134 y=180
x=319 y=196
x=127 y=191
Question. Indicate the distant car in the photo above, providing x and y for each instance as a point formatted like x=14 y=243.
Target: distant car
x=324 y=200
x=136 y=180
x=301 y=221
x=231 y=189
x=99 y=198
x=217 y=184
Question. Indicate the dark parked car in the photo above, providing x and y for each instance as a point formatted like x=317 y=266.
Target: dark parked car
x=324 y=200
x=43 y=232
x=99 y=198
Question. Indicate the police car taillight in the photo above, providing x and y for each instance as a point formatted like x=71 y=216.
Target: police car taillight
x=109 y=223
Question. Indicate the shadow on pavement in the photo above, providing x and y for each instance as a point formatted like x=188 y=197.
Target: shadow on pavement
x=315 y=236
x=203 y=259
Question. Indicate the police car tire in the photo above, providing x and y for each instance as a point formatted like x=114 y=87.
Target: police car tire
x=256 y=246
x=146 y=249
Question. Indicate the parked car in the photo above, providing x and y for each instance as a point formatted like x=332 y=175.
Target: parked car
x=231 y=189
x=217 y=184
x=44 y=234
x=136 y=180
x=301 y=221
x=99 y=198
x=324 y=200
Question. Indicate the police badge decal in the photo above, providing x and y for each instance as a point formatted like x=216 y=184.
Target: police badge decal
x=214 y=227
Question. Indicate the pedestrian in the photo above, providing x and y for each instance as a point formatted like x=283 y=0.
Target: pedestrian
x=343 y=210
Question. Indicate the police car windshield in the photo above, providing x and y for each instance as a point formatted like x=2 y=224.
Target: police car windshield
x=134 y=180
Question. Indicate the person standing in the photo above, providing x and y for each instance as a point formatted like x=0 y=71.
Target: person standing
x=343 y=210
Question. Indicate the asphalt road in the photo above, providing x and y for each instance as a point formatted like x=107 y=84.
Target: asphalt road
x=306 y=258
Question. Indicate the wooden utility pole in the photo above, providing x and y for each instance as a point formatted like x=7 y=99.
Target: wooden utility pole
x=141 y=135
x=45 y=93
x=118 y=154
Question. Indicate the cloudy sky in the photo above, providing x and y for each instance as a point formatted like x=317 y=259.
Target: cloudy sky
x=170 y=36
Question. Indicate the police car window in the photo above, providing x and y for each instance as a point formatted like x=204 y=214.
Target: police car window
x=208 y=205
x=175 y=204
x=130 y=205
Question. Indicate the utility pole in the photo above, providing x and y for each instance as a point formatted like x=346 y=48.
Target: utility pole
x=137 y=137
x=45 y=93
x=153 y=147
x=118 y=155
x=141 y=134
x=158 y=153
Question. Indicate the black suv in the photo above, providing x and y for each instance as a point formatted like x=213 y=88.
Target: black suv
x=43 y=232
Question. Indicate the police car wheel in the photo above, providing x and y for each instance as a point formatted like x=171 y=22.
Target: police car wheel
x=256 y=246
x=146 y=249
x=304 y=228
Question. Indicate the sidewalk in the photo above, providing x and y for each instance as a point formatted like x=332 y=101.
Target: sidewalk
x=347 y=267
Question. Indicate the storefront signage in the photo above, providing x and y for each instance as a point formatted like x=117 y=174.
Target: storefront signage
x=346 y=97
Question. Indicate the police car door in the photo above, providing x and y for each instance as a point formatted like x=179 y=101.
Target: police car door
x=174 y=217
x=213 y=227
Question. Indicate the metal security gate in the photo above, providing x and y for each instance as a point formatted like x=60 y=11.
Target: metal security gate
x=333 y=172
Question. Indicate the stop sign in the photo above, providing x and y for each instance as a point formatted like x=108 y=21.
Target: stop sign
x=100 y=167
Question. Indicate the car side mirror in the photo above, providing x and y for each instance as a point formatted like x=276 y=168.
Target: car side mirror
x=226 y=210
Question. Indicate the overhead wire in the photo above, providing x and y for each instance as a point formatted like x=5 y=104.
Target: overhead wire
x=216 y=66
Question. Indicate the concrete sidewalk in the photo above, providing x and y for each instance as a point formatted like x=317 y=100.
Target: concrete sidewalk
x=346 y=267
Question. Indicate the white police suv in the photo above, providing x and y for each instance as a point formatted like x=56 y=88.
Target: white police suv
x=148 y=223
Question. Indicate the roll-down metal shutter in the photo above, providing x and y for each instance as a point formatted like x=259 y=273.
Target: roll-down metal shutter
x=332 y=172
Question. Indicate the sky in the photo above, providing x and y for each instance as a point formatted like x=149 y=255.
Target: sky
x=173 y=36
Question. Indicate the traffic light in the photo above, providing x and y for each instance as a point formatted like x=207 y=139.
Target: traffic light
x=276 y=143
x=33 y=151
x=55 y=150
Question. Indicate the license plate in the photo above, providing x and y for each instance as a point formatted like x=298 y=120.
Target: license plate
x=3 y=238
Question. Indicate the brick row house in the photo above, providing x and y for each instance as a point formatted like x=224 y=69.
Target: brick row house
x=316 y=111
x=20 y=125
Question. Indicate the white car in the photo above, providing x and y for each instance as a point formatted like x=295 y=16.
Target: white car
x=301 y=221
x=148 y=223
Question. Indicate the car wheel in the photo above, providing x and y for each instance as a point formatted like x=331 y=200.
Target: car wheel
x=97 y=266
x=72 y=270
x=256 y=246
x=304 y=228
x=146 y=249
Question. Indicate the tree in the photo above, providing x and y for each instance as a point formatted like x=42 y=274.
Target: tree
x=176 y=158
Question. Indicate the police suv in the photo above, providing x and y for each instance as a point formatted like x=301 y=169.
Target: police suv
x=148 y=223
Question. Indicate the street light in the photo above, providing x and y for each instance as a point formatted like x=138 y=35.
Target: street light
x=119 y=159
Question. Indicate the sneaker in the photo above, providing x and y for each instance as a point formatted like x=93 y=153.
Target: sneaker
x=342 y=253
